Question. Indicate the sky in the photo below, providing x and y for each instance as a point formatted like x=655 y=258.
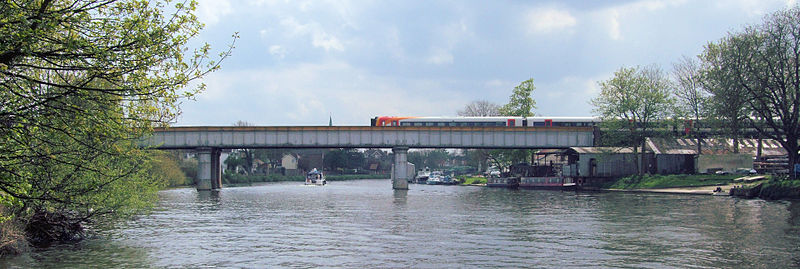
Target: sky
x=305 y=62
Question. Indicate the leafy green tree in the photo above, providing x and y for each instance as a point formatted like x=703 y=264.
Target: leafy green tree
x=764 y=61
x=636 y=99
x=344 y=159
x=520 y=102
x=81 y=82
x=729 y=100
x=165 y=168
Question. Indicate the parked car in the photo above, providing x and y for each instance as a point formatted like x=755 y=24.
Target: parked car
x=746 y=171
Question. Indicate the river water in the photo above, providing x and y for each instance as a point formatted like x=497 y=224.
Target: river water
x=365 y=224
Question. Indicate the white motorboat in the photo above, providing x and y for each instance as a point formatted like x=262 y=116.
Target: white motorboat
x=315 y=177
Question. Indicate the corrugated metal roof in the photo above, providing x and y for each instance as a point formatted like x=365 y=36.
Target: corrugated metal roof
x=687 y=146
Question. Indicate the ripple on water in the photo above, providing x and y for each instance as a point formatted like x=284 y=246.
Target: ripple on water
x=366 y=224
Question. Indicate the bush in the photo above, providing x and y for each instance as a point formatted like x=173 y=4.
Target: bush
x=780 y=189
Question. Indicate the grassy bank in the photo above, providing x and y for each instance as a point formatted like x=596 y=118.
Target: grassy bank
x=668 y=181
x=471 y=180
x=777 y=189
x=237 y=179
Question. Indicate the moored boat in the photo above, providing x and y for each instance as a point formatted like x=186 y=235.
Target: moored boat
x=422 y=176
x=502 y=182
x=542 y=177
x=435 y=178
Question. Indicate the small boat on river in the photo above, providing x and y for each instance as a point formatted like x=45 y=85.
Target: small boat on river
x=315 y=177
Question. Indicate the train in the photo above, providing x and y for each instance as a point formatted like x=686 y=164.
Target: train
x=486 y=121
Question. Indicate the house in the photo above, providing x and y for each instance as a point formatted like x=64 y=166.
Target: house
x=289 y=161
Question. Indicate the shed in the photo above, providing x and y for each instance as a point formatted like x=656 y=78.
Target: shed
x=600 y=162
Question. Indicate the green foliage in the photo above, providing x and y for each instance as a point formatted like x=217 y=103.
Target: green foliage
x=344 y=159
x=165 y=168
x=471 y=180
x=520 y=102
x=668 y=181
x=754 y=76
x=633 y=103
x=434 y=159
x=81 y=82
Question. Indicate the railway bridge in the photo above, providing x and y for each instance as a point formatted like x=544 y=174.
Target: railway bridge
x=208 y=141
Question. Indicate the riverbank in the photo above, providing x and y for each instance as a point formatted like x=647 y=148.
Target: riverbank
x=232 y=179
x=764 y=187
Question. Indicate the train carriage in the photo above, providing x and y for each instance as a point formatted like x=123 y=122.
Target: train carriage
x=486 y=121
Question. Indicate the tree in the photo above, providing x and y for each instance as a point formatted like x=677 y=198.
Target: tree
x=764 y=60
x=520 y=102
x=691 y=99
x=729 y=100
x=637 y=99
x=480 y=108
x=80 y=83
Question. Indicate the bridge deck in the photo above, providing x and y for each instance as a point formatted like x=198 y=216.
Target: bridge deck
x=368 y=137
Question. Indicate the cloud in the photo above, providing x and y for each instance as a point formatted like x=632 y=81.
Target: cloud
x=549 y=20
x=277 y=51
x=305 y=94
x=754 y=8
x=319 y=38
x=211 y=11
x=440 y=56
x=612 y=17
x=613 y=24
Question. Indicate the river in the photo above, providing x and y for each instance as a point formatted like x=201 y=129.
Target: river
x=365 y=224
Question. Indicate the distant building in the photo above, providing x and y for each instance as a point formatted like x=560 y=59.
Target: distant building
x=290 y=161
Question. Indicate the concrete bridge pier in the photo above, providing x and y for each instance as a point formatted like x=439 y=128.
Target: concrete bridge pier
x=209 y=174
x=400 y=168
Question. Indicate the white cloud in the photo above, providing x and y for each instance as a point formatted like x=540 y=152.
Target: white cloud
x=755 y=8
x=613 y=31
x=441 y=56
x=319 y=38
x=614 y=17
x=211 y=11
x=549 y=20
x=326 y=41
x=277 y=51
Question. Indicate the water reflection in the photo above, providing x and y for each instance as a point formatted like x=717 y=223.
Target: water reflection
x=400 y=198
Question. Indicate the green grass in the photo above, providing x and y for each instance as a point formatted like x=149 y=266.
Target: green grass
x=669 y=181
x=472 y=180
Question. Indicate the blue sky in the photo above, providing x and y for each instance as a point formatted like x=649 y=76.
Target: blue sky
x=297 y=62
